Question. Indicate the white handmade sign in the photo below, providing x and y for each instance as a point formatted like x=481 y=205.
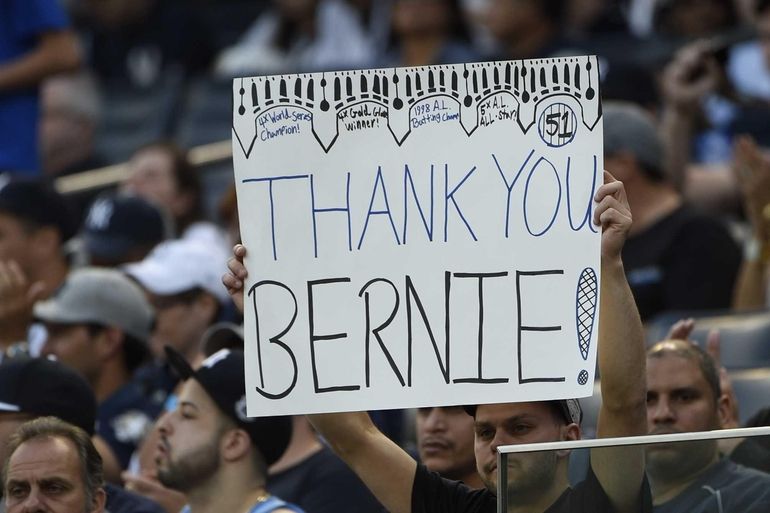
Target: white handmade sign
x=419 y=236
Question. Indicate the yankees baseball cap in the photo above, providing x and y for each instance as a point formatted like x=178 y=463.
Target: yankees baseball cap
x=569 y=409
x=43 y=387
x=222 y=376
x=118 y=224
x=106 y=297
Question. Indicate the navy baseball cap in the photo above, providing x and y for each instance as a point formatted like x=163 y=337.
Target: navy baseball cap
x=222 y=376
x=569 y=409
x=43 y=387
x=37 y=202
x=118 y=224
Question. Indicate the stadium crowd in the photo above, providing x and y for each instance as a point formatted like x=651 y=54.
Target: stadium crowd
x=121 y=365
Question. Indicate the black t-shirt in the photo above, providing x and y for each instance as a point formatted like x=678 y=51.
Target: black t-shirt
x=685 y=261
x=323 y=483
x=433 y=494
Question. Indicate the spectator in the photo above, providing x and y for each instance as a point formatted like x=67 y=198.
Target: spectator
x=308 y=473
x=98 y=323
x=37 y=387
x=181 y=278
x=311 y=476
x=121 y=229
x=53 y=466
x=35 y=224
x=162 y=174
x=684 y=395
x=752 y=170
x=428 y=32
x=35 y=43
x=69 y=118
x=143 y=42
x=616 y=481
x=208 y=442
x=299 y=36
x=527 y=29
x=675 y=257
x=690 y=19
x=445 y=443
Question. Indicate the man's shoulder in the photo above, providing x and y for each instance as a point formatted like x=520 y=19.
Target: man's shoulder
x=433 y=493
x=735 y=474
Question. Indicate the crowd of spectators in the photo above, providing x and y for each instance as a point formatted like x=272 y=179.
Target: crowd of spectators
x=104 y=282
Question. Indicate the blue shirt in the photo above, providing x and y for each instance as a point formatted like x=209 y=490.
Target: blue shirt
x=123 y=419
x=21 y=24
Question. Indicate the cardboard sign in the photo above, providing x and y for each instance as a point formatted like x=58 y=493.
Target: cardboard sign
x=419 y=236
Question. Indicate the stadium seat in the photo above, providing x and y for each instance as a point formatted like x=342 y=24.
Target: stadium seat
x=744 y=336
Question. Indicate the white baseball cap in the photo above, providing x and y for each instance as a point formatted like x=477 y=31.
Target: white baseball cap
x=181 y=265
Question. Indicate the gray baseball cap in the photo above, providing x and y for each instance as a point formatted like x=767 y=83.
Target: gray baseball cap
x=629 y=128
x=101 y=296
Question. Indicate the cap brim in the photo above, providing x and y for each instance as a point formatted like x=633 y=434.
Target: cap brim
x=51 y=311
x=9 y=407
x=178 y=363
x=108 y=247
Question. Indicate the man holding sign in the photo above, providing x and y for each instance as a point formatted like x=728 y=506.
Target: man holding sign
x=616 y=480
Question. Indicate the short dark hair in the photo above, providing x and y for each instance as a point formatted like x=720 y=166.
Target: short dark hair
x=52 y=427
x=693 y=352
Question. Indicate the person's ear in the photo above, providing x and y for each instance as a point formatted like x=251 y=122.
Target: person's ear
x=724 y=412
x=99 y=501
x=235 y=444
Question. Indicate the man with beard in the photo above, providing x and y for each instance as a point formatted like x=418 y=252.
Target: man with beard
x=445 y=443
x=615 y=482
x=684 y=395
x=210 y=450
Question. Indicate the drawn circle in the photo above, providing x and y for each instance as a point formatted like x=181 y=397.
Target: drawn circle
x=557 y=125
x=468 y=101
x=465 y=73
x=590 y=93
x=525 y=96
x=324 y=105
x=582 y=378
x=398 y=103
x=242 y=91
x=323 y=82
x=395 y=79
x=241 y=110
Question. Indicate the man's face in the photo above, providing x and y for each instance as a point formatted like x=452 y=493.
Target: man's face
x=517 y=423
x=178 y=323
x=445 y=441
x=188 y=451
x=679 y=400
x=75 y=347
x=44 y=475
x=151 y=176
x=15 y=239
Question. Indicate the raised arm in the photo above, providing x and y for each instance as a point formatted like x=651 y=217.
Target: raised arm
x=621 y=357
x=382 y=465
